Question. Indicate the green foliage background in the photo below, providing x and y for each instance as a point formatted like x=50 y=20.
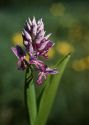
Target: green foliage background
x=71 y=105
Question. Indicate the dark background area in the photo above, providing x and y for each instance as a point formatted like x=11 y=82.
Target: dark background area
x=68 y=21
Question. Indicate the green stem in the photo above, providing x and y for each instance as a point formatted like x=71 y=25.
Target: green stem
x=30 y=97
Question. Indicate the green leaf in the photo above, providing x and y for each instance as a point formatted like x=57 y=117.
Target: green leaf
x=50 y=92
x=30 y=97
x=42 y=87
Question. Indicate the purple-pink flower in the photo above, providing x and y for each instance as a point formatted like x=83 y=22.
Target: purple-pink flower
x=20 y=54
x=34 y=39
x=36 y=45
x=43 y=74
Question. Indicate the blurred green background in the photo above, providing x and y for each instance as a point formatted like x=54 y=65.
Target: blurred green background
x=68 y=21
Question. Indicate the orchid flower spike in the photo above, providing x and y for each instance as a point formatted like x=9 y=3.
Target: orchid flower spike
x=34 y=38
x=36 y=44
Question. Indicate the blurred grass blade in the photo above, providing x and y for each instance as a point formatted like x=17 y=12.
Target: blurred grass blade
x=50 y=92
x=30 y=97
